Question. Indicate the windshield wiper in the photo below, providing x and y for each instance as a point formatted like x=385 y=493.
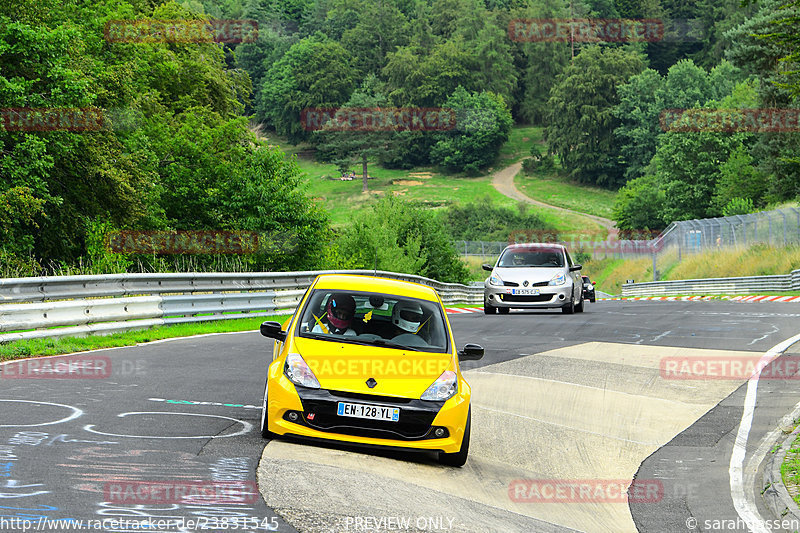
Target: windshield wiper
x=353 y=339
x=390 y=344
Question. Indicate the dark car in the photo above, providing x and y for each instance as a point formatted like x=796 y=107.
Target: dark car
x=588 y=289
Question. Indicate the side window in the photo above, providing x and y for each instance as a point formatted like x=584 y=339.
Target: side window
x=569 y=259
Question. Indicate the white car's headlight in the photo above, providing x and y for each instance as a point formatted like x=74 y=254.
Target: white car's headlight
x=558 y=279
x=443 y=388
x=494 y=279
x=299 y=373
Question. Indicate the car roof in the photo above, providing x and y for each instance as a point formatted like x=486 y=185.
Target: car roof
x=355 y=282
x=533 y=246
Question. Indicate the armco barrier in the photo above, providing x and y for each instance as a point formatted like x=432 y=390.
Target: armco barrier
x=741 y=285
x=60 y=306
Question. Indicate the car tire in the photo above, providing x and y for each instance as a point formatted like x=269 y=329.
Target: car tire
x=593 y=299
x=265 y=432
x=569 y=308
x=488 y=309
x=459 y=458
x=579 y=307
x=503 y=310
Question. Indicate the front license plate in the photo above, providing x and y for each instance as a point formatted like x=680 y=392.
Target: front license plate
x=372 y=412
x=526 y=291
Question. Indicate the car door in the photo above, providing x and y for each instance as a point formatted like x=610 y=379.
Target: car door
x=577 y=280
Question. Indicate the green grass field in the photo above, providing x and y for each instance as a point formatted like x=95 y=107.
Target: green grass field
x=557 y=190
x=436 y=189
x=519 y=144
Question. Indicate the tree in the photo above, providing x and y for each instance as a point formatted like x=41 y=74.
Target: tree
x=582 y=121
x=482 y=125
x=755 y=51
x=738 y=178
x=314 y=73
x=639 y=205
x=346 y=146
x=400 y=236
x=647 y=95
x=688 y=168
x=639 y=108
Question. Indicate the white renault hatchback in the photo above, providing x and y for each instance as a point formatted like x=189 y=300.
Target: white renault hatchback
x=533 y=276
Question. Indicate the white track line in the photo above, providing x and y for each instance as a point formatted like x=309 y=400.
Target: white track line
x=744 y=507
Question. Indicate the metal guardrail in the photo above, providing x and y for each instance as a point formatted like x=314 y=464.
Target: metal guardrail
x=741 y=285
x=61 y=306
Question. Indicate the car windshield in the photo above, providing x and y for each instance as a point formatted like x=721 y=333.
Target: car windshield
x=521 y=258
x=374 y=319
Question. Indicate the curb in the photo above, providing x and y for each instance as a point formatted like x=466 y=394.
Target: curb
x=775 y=495
x=750 y=298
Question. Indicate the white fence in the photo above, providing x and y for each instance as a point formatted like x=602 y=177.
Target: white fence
x=61 y=306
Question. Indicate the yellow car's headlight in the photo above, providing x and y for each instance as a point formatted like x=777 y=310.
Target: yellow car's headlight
x=299 y=373
x=443 y=388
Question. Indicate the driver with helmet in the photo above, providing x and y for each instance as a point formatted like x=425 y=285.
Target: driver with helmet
x=338 y=316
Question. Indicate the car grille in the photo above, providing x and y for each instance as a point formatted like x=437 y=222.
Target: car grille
x=530 y=298
x=360 y=427
x=416 y=416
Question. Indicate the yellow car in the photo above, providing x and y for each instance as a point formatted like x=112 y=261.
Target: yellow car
x=369 y=361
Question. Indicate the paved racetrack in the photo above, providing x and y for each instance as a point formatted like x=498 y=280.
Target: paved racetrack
x=581 y=398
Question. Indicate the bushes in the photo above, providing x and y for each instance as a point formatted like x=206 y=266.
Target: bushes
x=401 y=236
x=482 y=220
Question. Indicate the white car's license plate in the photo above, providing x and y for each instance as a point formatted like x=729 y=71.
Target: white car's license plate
x=373 y=412
x=526 y=291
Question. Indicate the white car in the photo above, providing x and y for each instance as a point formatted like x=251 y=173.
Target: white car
x=533 y=276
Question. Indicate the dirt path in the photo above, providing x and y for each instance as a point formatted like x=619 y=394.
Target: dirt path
x=503 y=181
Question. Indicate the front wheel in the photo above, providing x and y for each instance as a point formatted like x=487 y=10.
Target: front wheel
x=265 y=432
x=488 y=309
x=458 y=458
x=579 y=307
x=569 y=308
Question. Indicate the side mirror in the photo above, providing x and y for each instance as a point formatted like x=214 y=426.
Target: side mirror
x=487 y=267
x=575 y=268
x=471 y=352
x=273 y=330
x=594 y=283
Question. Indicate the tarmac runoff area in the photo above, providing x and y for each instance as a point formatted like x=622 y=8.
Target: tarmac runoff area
x=590 y=413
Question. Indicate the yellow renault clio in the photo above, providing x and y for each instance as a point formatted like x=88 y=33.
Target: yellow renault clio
x=369 y=361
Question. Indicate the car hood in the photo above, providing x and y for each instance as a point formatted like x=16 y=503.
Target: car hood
x=531 y=275
x=342 y=366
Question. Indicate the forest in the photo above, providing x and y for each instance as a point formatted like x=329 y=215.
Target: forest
x=179 y=146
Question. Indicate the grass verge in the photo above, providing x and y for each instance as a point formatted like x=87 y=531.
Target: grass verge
x=557 y=190
x=38 y=347
x=790 y=470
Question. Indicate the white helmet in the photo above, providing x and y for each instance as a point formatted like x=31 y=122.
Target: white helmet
x=407 y=316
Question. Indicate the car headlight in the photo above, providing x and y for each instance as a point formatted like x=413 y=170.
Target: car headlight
x=494 y=279
x=443 y=388
x=299 y=373
x=558 y=279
